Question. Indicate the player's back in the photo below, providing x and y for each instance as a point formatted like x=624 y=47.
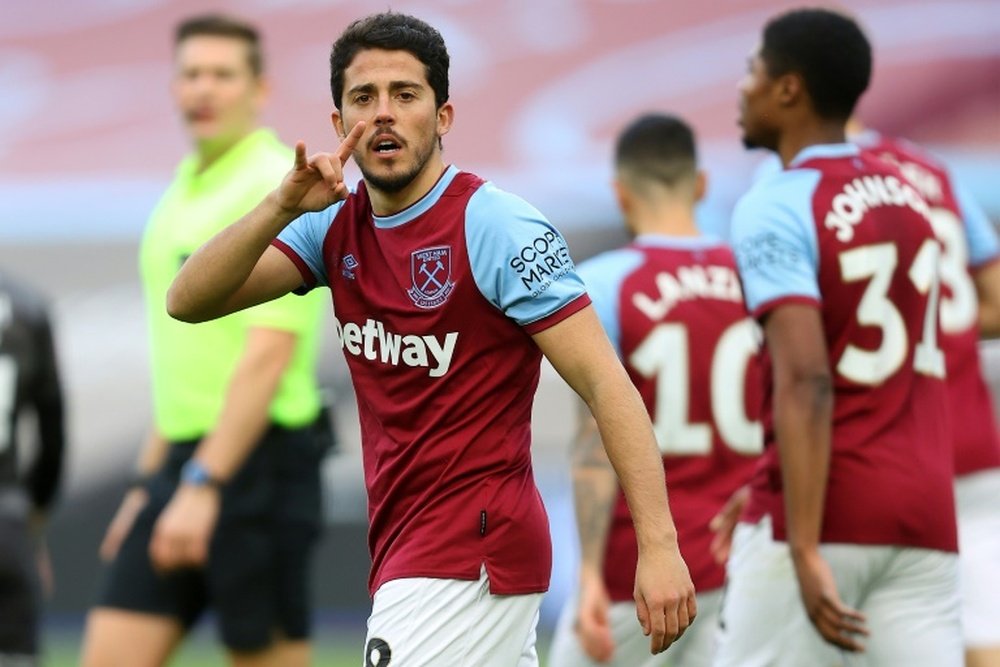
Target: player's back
x=968 y=242
x=674 y=310
x=876 y=270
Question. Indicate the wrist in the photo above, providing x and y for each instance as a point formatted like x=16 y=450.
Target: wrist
x=194 y=473
x=278 y=211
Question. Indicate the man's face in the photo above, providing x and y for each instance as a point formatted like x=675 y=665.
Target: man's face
x=758 y=106
x=214 y=88
x=390 y=92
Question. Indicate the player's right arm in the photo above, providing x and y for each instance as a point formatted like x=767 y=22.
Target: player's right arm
x=238 y=268
x=987 y=280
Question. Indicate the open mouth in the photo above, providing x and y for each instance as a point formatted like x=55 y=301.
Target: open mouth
x=387 y=146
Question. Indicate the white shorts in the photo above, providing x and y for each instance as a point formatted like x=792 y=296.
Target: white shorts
x=422 y=622
x=693 y=649
x=909 y=597
x=978 y=500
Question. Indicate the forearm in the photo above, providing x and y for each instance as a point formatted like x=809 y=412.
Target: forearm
x=153 y=453
x=209 y=280
x=46 y=472
x=245 y=413
x=595 y=488
x=989 y=321
x=631 y=447
x=802 y=416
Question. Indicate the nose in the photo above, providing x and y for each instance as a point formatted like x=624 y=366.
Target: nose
x=383 y=112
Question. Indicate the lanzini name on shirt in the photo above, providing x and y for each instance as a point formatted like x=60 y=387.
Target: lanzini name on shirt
x=373 y=342
x=691 y=282
x=867 y=192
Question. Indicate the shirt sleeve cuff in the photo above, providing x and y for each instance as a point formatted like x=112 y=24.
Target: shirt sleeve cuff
x=800 y=299
x=983 y=263
x=308 y=279
x=574 y=306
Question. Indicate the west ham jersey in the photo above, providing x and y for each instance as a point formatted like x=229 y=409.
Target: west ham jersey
x=846 y=233
x=969 y=242
x=674 y=310
x=435 y=307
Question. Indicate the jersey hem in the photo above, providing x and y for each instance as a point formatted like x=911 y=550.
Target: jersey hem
x=458 y=576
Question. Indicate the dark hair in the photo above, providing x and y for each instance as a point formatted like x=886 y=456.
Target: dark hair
x=391 y=31
x=220 y=25
x=828 y=50
x=657 y=148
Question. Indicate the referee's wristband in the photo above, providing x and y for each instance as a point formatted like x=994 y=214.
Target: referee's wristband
x=196 y=474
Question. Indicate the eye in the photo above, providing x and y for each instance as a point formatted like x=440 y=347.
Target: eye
x=363 y=98
x=407 y=96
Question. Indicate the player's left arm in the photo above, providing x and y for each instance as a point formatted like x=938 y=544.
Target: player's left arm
x=803 y=408
x=579 y=350
x=185 y=527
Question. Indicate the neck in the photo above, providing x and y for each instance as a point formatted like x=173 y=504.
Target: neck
x=390 y=203
x=817 y=131
x=210 y=150
x=672 y=218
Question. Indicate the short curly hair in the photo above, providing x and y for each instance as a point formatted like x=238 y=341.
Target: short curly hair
x=391 y=31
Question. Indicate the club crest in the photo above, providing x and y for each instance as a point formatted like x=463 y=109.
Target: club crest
x=430 y=270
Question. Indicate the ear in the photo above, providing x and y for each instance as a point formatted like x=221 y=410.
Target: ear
x=263 y=92
x=700 y=185
x=338 y=123
x=445 y=117
x=790 y=88
x=623 y=196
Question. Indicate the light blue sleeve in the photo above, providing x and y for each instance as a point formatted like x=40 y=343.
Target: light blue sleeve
x=603 y=275
x=520 y=263
x=979 y=231
x=305 y=236
x=774 y=239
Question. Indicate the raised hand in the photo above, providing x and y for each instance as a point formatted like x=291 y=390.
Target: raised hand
x=316 y=182
x=838 y=623
x=664 y=596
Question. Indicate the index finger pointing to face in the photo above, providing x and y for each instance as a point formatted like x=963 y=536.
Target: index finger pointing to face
x=350 y=141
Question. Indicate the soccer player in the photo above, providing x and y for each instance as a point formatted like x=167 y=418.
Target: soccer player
x=850 y=523
x=235 y=402
x=447 y=292
x=970 y=307
x=673 y=308
x=29 y=383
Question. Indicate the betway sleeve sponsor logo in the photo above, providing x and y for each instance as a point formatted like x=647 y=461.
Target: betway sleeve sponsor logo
x=865 y=193
x=691 y=282
x=541 y=262
x=373 y=342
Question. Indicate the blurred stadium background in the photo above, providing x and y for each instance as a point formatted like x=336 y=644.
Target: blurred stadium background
x=89 y=138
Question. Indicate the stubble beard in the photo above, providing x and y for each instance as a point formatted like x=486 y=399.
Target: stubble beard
x=395 y=183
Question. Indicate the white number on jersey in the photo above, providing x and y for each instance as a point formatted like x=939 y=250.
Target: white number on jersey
x=8 y=386
x=663 y=355
x=877 y=264
x=958 y=310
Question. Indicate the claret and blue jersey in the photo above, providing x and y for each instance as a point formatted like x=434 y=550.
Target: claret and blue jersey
x=844 y=231
x=673 y=308
x=435 y=306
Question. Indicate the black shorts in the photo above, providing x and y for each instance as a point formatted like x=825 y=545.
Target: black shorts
x=19 y=606
x=257 y=575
